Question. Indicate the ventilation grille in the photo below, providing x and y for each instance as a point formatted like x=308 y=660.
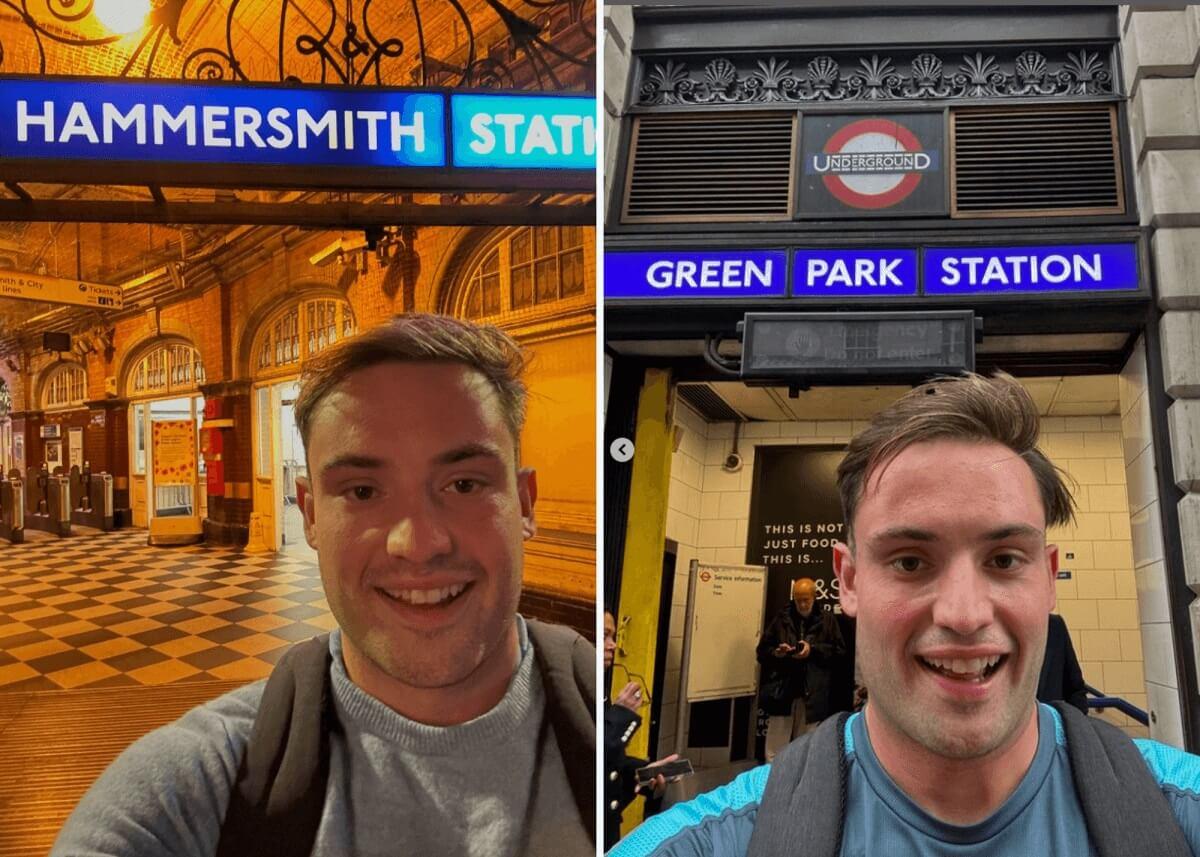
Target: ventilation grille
x=697 y=166
x=708 y=404
x=1036 y=161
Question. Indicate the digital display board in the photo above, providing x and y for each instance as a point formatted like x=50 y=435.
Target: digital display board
x=909 y=344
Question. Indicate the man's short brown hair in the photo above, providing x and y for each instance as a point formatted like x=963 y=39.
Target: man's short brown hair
x=419 y=338
x=970 y=408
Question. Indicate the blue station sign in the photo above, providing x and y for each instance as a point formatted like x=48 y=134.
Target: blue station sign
x=337 y=127
x=1031 y=270
x=874 y=273
x=525 y=131
x=854 y=273
x=741 y=274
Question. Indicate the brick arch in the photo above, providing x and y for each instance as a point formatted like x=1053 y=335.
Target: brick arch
x=169 y=330
x=297 y=292
x=450 y=277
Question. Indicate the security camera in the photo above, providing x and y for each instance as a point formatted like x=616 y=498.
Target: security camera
x=733 y=463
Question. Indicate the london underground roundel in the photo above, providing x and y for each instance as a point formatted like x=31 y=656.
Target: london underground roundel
x=862 y=152
x=872 y=164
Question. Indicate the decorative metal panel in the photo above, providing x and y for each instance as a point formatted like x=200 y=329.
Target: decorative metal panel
x=359 y=42
x=893 y=76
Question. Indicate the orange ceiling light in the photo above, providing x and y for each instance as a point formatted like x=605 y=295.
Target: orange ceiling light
x=122 y=16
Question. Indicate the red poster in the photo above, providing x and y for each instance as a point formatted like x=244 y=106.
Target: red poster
x=216 y=479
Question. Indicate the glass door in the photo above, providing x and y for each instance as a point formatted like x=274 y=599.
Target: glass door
x=265 y=520
x=138 y=456
x=166 y=469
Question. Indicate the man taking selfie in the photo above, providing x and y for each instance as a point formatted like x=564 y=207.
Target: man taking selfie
x=434 y=719
x=947 y=501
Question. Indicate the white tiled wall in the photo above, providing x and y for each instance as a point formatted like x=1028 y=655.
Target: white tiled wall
x=683 y=521
x=1154 y=617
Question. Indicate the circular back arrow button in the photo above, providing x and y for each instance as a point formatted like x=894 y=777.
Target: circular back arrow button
x=621 y=449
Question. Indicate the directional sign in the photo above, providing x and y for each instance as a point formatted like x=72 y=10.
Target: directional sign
x=34 y=287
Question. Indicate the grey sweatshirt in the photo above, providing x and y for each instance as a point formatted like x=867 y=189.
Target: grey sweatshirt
x=396 y=787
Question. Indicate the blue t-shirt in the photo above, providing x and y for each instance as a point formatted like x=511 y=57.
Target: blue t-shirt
x=1042 y=816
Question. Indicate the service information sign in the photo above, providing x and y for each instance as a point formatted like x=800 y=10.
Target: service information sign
x=1013 y=270
x=173 y=445
x=740 y=274
x=308 y=127
x=873 y=166
x=33 y=287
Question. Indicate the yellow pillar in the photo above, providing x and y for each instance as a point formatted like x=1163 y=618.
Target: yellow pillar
x=645 y=536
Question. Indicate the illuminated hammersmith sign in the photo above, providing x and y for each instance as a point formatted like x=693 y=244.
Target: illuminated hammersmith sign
x=32 y=287
x=278 y=127
x=874 y=273
x=744 y=274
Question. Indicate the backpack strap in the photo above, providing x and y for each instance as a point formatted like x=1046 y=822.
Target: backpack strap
x=1125 y=810
x=567 y=663
x=277 y=801
x=800 y=803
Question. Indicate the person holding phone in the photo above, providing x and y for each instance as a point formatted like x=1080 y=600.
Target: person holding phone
x=621 y=721
x=797 y=653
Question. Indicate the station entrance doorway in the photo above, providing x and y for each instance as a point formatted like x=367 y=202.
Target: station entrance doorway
x=1097 y=385
x=279 y=461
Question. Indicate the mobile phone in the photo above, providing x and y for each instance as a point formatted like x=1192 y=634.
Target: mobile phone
x=674 y=768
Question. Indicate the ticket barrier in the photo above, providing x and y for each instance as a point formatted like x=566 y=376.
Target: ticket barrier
x=48 y=503
x=12 y=509
x=91 y=499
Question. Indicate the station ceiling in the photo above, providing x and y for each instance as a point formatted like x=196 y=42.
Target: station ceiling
x=508 y=44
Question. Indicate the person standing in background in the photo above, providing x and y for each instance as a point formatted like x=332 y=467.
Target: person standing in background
x=797 y=652
x=1061 y=677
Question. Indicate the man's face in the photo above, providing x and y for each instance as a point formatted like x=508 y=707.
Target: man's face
x=804 y=595
x=951 y=581
x=418 y=512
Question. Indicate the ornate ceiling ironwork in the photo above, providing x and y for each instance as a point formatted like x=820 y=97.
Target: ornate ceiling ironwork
x=452 y=43
x=913 y=77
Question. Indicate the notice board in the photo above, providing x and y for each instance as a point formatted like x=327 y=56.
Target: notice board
x=724 y=617
x=174 y=452
x=795 y=519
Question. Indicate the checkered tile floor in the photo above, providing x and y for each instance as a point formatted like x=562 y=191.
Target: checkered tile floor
x=107 y=610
